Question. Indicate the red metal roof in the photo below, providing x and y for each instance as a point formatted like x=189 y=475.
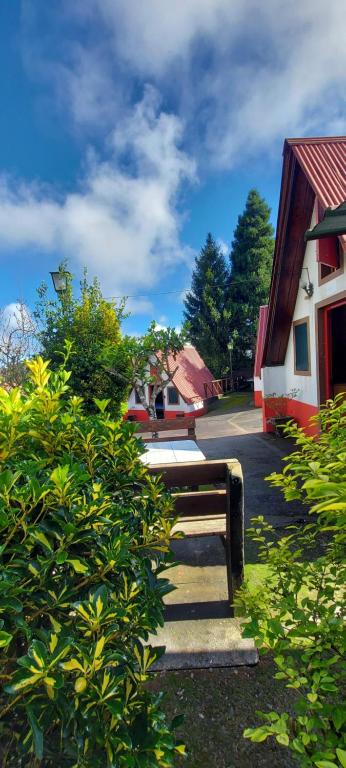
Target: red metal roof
x=323 y=160
x=191 y=375
x=262 y=324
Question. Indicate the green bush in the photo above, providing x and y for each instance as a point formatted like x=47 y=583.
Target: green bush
x=90 y=324
x=84 y=536
x=298 y=613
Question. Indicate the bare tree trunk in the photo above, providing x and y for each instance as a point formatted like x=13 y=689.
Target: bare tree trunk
x=140 y=390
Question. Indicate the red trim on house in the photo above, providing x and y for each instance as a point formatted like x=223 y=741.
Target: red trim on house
x=174 y=414
x=257 y=398
x=299 y=411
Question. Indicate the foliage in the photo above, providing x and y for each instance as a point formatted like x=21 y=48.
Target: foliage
x=206 y=308
x=299 y=612
x=91 y=323
x=251 y=263
x=84 y=537
x=17 y=342
x=146 y=363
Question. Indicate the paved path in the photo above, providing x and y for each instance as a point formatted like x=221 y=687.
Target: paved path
x=239 y=435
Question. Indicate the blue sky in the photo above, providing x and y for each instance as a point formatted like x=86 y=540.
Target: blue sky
x=130 y=129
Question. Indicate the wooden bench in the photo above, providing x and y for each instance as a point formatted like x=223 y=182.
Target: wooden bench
x=217 y=512
x=154 y=426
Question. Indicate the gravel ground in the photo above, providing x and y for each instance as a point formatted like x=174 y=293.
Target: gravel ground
x=218 y=704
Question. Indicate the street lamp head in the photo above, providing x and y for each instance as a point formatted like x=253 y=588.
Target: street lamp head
x=60 y=280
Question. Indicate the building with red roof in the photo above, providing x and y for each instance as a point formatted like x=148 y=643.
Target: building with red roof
x=185 y=395
x=301 y=346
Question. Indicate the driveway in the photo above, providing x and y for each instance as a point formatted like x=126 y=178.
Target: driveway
x=238 y=434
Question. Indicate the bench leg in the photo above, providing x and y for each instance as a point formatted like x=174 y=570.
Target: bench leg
x=234 y=529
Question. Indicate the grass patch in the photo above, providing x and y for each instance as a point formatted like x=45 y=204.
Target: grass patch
x=231 y=402
x=218 y=704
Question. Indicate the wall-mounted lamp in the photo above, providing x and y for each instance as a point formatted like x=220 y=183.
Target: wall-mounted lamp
x=308 y=285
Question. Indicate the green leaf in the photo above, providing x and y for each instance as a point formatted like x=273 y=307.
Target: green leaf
x=339 y=717
x=22 y=679
x=78 y=566
x=38 y=652
x=325 y=764
x=42 y=538
x=61 y=557
x=282 y=738
x=177 y=721
x=37 y=733
x=5 y=639
x=341 y=753
x=256 y=734
x=11 y=604
x=4 y=519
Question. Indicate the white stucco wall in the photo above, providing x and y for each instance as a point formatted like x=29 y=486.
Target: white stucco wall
x=282 y=379
x=133 y=406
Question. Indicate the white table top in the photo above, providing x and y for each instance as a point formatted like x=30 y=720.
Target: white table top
x=172 y=452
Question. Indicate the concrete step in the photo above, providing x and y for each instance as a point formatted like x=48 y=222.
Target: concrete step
x=211 y=642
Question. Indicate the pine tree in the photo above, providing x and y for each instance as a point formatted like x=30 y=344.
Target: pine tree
x=251 y=263
x=206 y=308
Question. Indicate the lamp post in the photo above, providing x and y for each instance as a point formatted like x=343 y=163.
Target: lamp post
x=60 y=281
x=230 y=349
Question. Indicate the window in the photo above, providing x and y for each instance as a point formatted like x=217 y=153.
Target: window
x=301 y=346
x=137 y=398
x=329 y=253
x=330 y=270
x=173 y=396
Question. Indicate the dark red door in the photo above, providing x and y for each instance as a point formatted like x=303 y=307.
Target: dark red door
x=335 y=347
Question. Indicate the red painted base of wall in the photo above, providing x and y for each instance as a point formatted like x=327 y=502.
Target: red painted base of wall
x=140 y=415
x=300 y=412
x=257 y=398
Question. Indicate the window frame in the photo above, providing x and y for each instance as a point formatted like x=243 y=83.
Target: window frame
x=174 y=389
x=302 y=321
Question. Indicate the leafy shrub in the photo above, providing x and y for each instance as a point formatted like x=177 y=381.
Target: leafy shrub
x=299 y=611
x=84 y=536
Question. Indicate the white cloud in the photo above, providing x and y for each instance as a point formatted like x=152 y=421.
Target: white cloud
x=139 y=306
x=243 y=74
x=123 y=223
x=150 y=35
x=224 y=248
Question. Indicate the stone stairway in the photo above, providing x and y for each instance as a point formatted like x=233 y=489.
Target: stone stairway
x=198 y=630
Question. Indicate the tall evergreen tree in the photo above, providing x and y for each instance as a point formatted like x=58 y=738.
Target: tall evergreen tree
x=251 y=263
x=206 y=308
